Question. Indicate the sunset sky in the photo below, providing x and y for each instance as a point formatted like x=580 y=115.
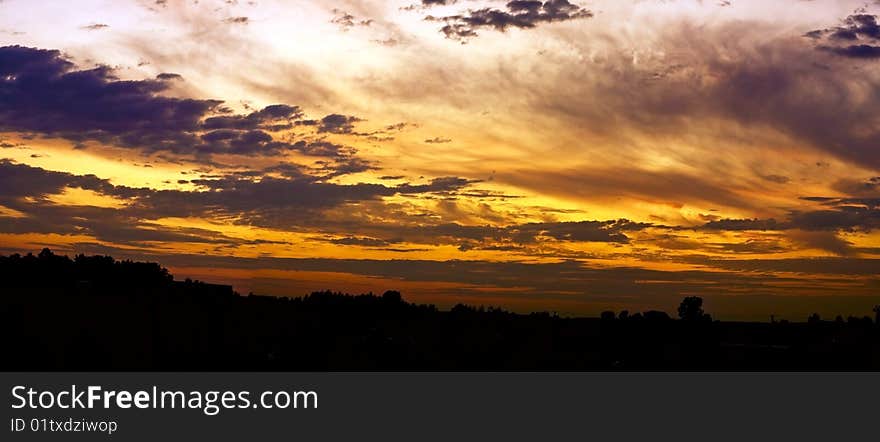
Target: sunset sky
x=569 y=157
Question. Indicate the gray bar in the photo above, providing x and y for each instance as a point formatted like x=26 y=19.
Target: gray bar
x=483 y=406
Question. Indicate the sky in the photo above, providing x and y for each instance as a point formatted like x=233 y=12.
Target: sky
x=561 y=156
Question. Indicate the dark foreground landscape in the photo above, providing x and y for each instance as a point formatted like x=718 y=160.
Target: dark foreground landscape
x=95 y=313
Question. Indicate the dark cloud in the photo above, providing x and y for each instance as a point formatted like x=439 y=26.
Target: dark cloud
x=110 y=225
x=25 y=189
x=346 y=166
x=579 y=231
x=258 y=142
x=297 y=200
x=269 y=117
x=438 y=140
x=95 y=26
x=512 y=237
x=857 y=25
x=266 y=195
x=41 y=92
x=823 y=240
x=778 y=179
x=337 y=124
x=18 y=181
x=169 y=76
x=743 y=224
x=237 y=20
x=518 y=14
x=322 y=148
x=752 y=246
x=442 y=184
x=346 y=21
x=425 y=4
x=850 y=214
x=847 y=214
x=855 y=51
x=867 y=188
x=252 y=197
x=360 y=241
x=856 y=37
x=399 y=126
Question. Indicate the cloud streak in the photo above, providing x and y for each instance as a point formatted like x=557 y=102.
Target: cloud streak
x=521 y=14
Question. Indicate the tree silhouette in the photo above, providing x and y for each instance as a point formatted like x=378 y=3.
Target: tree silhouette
x=656 y=315
x=97 y=313
x=691 y=308
x=392 y=296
